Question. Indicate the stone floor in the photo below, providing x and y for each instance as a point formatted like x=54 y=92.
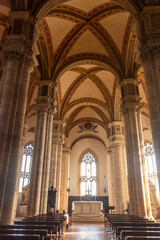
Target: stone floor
x=86 y=231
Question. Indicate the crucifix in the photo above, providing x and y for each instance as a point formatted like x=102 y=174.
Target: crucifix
x=88 y=191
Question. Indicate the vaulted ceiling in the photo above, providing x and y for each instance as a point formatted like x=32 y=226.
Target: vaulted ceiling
x=87 y=47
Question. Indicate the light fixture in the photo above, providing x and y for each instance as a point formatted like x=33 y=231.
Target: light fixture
x=105 y=190
x=68 y=190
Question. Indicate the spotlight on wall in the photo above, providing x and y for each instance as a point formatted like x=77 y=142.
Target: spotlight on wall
x=68 y=190
x=105 y=190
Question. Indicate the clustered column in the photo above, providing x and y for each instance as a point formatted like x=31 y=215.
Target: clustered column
x=118 y=167
x=17 y=50
x=39 y=184
x=148 y=34
x=138 y=187
x=56 y=159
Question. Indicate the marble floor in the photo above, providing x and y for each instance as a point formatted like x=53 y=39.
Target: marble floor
x=86 y=231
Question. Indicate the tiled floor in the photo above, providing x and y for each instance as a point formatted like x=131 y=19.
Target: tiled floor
x=86 y=231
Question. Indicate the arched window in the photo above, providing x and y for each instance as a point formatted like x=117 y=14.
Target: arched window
x=151 y=163
x=88 y=175
x=26 y=167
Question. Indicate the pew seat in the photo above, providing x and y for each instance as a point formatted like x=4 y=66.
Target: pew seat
x=41 y=232
x=125 y=233
x=19 y=237
x=119 y=229
x=142 y=238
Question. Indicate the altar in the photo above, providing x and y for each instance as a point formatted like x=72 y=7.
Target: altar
x=87 y=211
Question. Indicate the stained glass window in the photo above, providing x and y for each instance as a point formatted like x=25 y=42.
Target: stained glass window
x=26 y=167
x=88 y=175
x=151 y=163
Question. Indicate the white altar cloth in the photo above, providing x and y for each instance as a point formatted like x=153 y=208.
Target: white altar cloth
x=87 y=210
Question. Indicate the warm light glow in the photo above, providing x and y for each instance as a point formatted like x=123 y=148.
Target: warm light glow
x=151 y=163
x=26 y=167
x=88 y=175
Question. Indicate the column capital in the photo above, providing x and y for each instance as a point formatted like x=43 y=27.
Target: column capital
x=116 y=133
x=115 y=123
x=127 y=81
x=148 y=32
x=130 y=101
x=43 y=105
x=116 y=141
x=66 y=150
x=131 y=107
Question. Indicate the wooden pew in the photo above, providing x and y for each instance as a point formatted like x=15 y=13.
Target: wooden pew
x=19 y=237
x=50 y=226
x=125 y=233
x=114 y=225
x=120 y=228
x=41 y=232
x=52 y=230
x=48 y=218
x=142 y=238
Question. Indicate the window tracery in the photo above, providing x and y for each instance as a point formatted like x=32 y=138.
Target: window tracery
x=26 y=167
x=150 y=162
x=88 y=175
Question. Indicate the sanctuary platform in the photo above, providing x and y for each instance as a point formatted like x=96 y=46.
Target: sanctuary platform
x=87 y=211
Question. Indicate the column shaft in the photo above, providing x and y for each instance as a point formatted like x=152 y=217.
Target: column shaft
x=37 y=171
x=53 y=167
x=149 y=46
x=58 y=176
x=131 y=108
x=13 y=146
x=46 y=170
x=64 y=180
x=118 y=167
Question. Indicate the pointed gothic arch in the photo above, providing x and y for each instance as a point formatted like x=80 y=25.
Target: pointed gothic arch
x=84 y=178
x=44 y=8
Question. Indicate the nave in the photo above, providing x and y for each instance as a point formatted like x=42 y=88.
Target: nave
x=86 y=231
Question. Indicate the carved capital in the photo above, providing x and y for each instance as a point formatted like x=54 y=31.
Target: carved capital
x=44 y=105
x=131 y=107
x=10 y=56
x=42 y=108
x=28 y=57
x=116 y=140
x=116 y=129
x=148 y=53
x=148 y=32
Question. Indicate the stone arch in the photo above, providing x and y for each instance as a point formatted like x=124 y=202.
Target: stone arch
x=129 y=5
x=96 y=159
x=100 y=62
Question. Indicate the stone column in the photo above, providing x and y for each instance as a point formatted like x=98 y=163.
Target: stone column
x=59 y=162
x=58 y=176
x=138 y=189
x=53 y=165
x=119 y=168
x=47 y=160
x=110 y=174
x=39 y=183
x=12 y=111
x=64 y=179
x=148 y=33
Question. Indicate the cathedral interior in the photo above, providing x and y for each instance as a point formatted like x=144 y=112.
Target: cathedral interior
x=79 y=104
